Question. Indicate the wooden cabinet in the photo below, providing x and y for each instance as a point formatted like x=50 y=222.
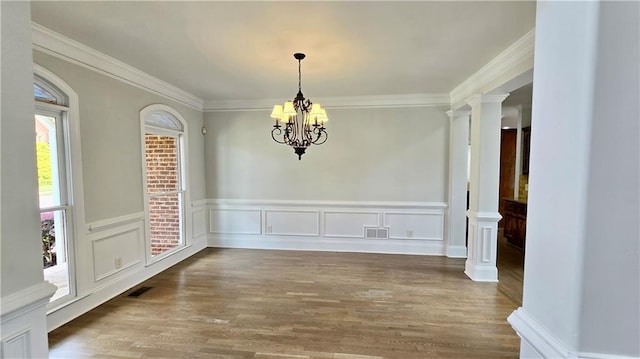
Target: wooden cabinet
x=515 y=222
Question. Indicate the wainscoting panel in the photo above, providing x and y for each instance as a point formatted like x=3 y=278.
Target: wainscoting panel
x=235 y=221
x=23 y=331
x=116 y=249
x=199 y=226
x=414 y=227
x=292 y=222
x=17 y=346
x=409 y=225
x=349 y=224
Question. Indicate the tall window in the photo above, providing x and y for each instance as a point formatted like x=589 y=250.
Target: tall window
x=164 y=179
x=54 y=173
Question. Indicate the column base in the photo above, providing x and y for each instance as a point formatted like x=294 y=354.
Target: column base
x=483 y=246
x=481 y=273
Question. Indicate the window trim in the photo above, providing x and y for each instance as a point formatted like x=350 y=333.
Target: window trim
x=80 y=281
x=183 y=183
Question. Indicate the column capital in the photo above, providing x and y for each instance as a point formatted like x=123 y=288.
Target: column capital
x=458 y=114
x=479 y=98
x=484 y=216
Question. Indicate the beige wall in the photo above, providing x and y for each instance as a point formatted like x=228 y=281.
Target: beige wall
x=111 y=142
x=387 y=154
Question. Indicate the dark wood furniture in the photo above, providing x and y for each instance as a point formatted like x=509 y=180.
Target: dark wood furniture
x=515 y=221
x=526 y=147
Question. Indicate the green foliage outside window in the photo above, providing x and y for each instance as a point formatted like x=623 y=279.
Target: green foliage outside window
x=43 y=153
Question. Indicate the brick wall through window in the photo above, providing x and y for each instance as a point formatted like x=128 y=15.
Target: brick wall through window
x=163 y=176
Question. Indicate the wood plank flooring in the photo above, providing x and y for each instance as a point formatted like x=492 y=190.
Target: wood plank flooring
x=235 y=303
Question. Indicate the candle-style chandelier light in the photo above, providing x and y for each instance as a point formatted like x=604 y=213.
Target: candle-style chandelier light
x=299 y=123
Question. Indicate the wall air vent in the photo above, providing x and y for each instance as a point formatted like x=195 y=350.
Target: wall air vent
x=376 y=233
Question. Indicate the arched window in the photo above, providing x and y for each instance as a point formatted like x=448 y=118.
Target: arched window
x=55 y=115
x=164 y=151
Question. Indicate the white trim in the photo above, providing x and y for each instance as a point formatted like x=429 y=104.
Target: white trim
x=221 y=202
x=538 y=338
x=104 y=224
x=26 y=300
x=313 y=236
x=17 y=345
x=479 y=273
x=122 y=231
x=199 y=203
x=255 y=211
x=545 y=344
x=434 y=212
x=478 y=98
x=384 y=246
x=78 y=280
x=484 y=216
x=316 y=228
x=183 y=180
x=516 y=59
x=60 y=46
x=377 y=101
x=586 y=355
x=327 y=234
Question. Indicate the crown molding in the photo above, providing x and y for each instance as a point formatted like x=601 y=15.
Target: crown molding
x=515 y=60
x=60 y=46
x=377 y=101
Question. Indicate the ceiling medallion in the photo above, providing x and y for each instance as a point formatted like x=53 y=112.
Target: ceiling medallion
x=299 y=123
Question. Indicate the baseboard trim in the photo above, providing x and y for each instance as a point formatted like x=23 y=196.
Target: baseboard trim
x=457 y=251
x=545 y=344
x=537 y=337
x=383 y=246
x=585 y=355
x=481 y=273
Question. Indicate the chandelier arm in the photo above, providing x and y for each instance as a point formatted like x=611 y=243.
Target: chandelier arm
x=321 y=134
x=277 y=132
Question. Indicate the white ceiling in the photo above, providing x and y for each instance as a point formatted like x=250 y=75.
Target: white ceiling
x=244 y=50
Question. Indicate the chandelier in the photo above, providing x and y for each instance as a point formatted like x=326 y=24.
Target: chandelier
x=299 y=123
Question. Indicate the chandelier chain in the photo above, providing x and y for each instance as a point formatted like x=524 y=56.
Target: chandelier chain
x=299 y=76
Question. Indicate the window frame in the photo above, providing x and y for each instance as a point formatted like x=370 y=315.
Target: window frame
x=182 y=191
x=67 y=108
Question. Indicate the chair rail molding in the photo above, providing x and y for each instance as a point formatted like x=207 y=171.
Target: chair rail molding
x=19 y=303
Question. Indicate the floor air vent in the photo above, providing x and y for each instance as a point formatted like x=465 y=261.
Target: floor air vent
x=376 y=233
x=138 y=292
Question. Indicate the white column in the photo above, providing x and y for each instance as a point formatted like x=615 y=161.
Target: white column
x=23 y=292
x=486 y=115
x=582 y=271
x=458 y=165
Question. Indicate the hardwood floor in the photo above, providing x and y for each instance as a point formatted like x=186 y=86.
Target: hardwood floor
x=235 y=303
